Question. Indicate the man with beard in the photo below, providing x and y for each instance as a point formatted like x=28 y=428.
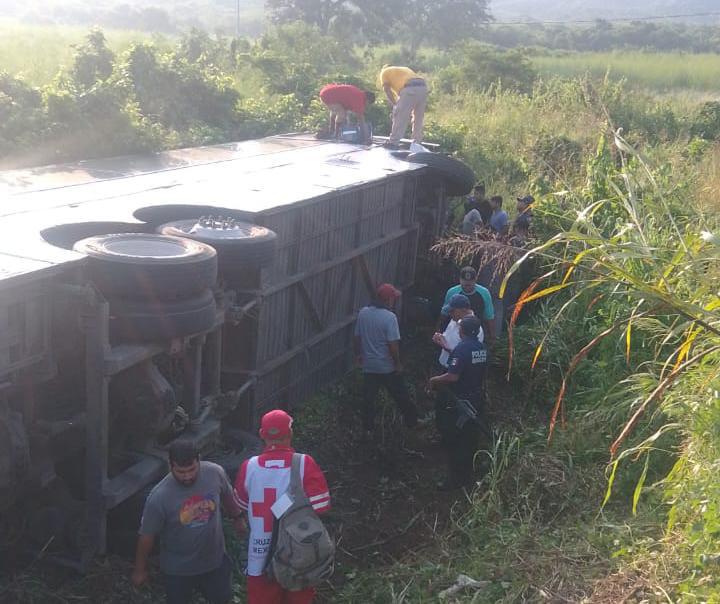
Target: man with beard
x=183 y=512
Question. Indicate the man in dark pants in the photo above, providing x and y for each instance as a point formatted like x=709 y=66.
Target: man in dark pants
x=459 y=406
x=377 y=350
x=183 y=511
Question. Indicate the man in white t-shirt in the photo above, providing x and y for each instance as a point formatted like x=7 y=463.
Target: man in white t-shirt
x=457 y=308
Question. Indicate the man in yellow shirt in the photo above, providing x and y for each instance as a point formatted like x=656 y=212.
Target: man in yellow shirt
x=407 y=93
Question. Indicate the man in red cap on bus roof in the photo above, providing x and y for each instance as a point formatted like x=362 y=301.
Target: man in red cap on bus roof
x=261 y=481
x=377 y=351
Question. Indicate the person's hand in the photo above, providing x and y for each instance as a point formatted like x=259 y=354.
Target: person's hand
x=437 y=338
x=139 y=577
x=240 y=526
x=428 y=388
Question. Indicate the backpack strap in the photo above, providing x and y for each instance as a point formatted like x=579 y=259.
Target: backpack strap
x=296 y=489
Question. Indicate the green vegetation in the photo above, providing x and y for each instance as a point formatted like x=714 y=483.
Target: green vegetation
x=656 y=71
x=36 y=53
x=603 y=482
x=603 y=36
x=617 y=366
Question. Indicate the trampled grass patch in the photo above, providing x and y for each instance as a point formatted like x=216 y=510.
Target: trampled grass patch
x=659 y=71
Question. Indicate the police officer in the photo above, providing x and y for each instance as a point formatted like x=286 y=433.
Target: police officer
x=458 y=408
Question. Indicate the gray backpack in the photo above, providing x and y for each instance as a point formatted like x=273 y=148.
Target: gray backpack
x=302 y=553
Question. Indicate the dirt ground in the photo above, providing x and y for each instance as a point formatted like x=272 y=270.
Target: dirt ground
x=385 y=502
x=386 y=506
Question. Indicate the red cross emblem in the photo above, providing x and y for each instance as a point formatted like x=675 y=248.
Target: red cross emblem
x=261 y=509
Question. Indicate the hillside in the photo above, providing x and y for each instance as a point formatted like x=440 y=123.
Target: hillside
x=601 y=9
x=225 y=15
x=165 y=16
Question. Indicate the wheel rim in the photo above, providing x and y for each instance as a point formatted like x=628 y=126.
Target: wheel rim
x=149 y=247
x=216 y=229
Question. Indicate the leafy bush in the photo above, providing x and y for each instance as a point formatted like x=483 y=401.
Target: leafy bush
x=480 y=66
x=176 y=92
x=23 y=118
x=93 y=61
x=296 y=59
x=706 y=124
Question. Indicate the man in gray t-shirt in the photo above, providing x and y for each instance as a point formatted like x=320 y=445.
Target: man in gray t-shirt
x=183 y=512
x=377 y=350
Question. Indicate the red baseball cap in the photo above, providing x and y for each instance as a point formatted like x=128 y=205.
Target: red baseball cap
x=275 y=424
x=387 y=291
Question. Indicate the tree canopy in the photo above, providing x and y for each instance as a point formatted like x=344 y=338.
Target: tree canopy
x=410 y=22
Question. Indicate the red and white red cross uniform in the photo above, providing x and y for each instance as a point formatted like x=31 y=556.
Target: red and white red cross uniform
x=261 y=481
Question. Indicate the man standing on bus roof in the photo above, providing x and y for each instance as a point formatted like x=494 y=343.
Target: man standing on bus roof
x=340 y=99
x=407 y=93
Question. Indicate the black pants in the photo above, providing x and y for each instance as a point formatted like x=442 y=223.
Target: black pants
x=461 y=440
x=396 y=387
x=215 y=586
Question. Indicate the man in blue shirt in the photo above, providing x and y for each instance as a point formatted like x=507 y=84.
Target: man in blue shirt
x=377 y=351
x=459 y=408
x=499 y=217
x=480 y=302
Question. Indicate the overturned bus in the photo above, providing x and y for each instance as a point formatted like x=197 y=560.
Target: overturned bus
x=180 y=295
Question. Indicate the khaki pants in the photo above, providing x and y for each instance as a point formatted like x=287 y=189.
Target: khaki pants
x=411 y=103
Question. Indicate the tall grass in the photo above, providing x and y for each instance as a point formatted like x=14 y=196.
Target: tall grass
x=623 y=349
x=659 y=71
x=37 y=53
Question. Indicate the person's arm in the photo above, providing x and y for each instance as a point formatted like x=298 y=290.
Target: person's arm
x=357 y=349
x=488 y=331
x=151 y=524
x=503 y=230
x=443 y=320
x=455 y=366
x=392 y=335
x=231 y=506
x=445 y=378
x=439 y=339
x=140 y=573
x=390 y=94
x=240 y=523
x=488 y=318
x=315 y=486
x=394 y=348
